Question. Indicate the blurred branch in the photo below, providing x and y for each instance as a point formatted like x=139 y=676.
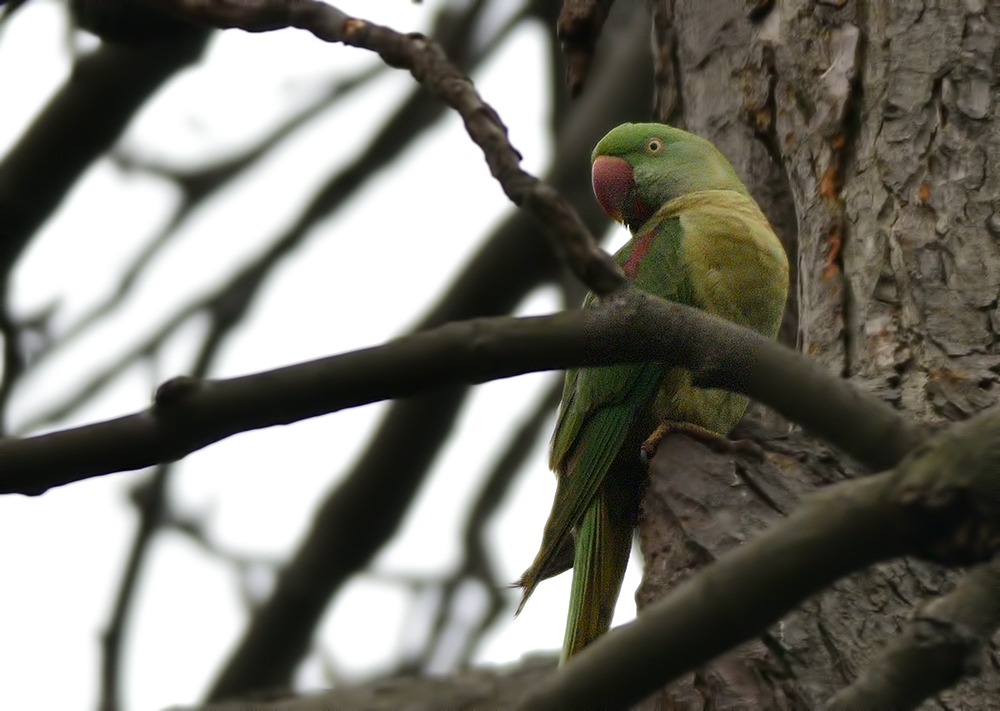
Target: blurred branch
x=148 y=496
x=110 y=83
x=196 y=186
x=417 y=113
x=476 y=566
x=80 y=122
x=429 y=65
x=8 y=8
x=942 y=503
x=579 y=28
x=943 y=642
x=190 y=413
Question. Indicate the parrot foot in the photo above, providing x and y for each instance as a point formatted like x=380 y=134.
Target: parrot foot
x=712 y=440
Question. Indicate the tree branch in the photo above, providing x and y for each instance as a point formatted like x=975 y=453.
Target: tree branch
x=942 y=643
x=149 y=498
x=942 y=503
x=190 y=413
x=430 y=66
x=417 y=112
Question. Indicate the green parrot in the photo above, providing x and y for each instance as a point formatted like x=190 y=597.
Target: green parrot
x=698 y=238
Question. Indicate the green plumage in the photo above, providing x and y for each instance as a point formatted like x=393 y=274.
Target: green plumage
x=698 y=239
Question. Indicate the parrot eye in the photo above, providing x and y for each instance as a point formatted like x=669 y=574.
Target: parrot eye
x=654 y=146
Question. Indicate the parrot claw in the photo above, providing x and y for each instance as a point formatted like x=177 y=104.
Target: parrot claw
x=648 y=448
x=712 y=440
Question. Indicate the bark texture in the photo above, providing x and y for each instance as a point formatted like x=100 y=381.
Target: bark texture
x=865 y=130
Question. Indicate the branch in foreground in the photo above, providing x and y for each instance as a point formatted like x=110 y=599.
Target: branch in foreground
x=429 y=65
x=189 y=413
x=942 y=643
x=942 y=503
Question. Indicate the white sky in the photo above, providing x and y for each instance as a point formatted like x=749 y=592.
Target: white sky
x=64 y=551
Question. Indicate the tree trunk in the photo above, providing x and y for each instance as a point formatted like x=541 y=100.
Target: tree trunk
x=865 y=131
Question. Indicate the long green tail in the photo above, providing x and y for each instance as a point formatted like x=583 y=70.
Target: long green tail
x=603 y=544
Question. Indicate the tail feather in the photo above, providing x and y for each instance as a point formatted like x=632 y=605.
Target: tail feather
x=545 y=566
x=603 y=545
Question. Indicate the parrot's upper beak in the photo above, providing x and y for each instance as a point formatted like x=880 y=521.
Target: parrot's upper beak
x=612 y=178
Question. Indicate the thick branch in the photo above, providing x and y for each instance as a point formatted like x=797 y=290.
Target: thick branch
x=942 y=643
x=189 y=414
x=942 y=503
x=429 y=65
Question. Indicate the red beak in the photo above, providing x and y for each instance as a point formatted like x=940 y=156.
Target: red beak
x=612 y=178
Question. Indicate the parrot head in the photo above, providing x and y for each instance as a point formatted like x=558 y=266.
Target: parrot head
x=638 y=167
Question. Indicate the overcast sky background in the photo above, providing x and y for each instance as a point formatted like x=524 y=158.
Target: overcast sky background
x=364 y=276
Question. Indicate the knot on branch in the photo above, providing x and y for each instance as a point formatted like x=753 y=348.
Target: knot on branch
x=175 y=390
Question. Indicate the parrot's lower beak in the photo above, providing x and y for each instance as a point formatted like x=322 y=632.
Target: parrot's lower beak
x=612 y=178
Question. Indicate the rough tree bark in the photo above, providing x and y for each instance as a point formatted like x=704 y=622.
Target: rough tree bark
x=865 y=130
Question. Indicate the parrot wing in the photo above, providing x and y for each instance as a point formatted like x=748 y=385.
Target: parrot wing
x=601 y=406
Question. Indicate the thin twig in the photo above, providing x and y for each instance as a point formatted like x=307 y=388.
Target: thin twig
x=430 y=66
x=417 y=113
x=149 y=498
